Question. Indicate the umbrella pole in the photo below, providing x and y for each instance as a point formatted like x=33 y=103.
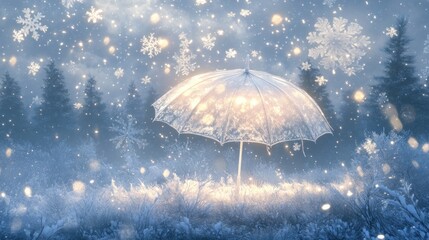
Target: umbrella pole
x=239 y=165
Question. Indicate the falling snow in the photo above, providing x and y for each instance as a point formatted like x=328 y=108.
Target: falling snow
x=70 y=3
x=33 y=68
x=321 y=80
x=231 y=53
x=305 y=66
x=208 y=41
x=94 y=15
x=426 y=46
x=146 y=80
x=391 y=32
x=119 y=73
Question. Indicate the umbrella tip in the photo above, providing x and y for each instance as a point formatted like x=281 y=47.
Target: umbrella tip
x=246 y=69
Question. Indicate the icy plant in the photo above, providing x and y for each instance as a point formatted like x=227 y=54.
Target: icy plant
x=405 y=205
x=339 y=46
x=391 y=32
x=184 y=60
x=150 y=45
x=70 y=3
x=31 y=24
x=208 y=41
x=94 y=14
x=33 y=68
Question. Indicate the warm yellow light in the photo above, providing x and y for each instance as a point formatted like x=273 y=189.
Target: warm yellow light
x=8 y=152
x=413 y=143
x=359 y=96
x=207 y=120
x=154 y=18
x=78 y=187
x=28 y=192
x=326 y=207
x=240 y=100
x=112 y=49
x=297 y=51
x=12 y=61
x=425 y=148
x=163 y=43
x=166 y=173
x=276 y=19
x=142 y=170
x=386 y=168
x=106 y=41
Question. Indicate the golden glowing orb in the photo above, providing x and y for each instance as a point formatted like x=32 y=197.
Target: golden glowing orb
x=28 y=192
x=359 y=96
x=78 y=187
x=12 y=61
x=297 y=51
x=8 y=152
x=163 y=43
x=154 y=18
x=276 y=19
x=112 y=49
x=106 y=41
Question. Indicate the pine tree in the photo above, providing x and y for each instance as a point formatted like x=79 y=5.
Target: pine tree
x=94 y=119
x=318 y=93
x=134 y=105
x=55 y=118
x=398 y=100
x=350 y=129
x=13 y=121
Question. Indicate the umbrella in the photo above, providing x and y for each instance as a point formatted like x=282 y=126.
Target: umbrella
x=242 y=105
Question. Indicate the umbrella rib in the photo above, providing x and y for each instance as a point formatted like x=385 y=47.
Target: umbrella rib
x=299 y=110
x=265 y=111
x=227 y=113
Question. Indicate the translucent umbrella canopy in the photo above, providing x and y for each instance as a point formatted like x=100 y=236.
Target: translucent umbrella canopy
x=242 y=106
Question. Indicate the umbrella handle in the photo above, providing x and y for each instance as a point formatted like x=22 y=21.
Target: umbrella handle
x=239 y=165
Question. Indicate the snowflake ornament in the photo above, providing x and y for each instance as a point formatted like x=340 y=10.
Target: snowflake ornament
x=306 y=66
x=94 y=15
x=146 y=80
x=370 y=146
x=391 y=32
x=321 y=80
x=231 y=53
x=184 y=63
x=119 y=73
x=70 y=3
x=33 y=68
x=30 y=24
x=150 y=45
x=339 y=46
x=296 y=147
x=208 y=41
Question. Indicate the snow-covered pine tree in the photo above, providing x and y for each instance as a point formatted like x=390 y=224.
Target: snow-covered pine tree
x=94 y=120
x=13 y=121
x=54 y=118
x=318 y=93
x=398 y=100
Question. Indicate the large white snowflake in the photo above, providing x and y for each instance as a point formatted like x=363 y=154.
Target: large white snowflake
x=208 y=41
x=339 y=46
x=94 y=15
x=150 y=45
x=70 y=3
x=128 y=135
x=33 y=68
x=426 y=49
x=30 y=24
x=184 y=60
